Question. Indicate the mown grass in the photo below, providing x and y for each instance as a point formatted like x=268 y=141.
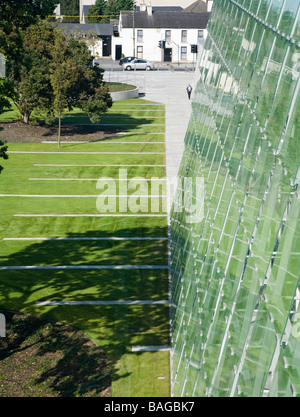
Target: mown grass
x=115 y=328
x=114 y=86
x=144 y=115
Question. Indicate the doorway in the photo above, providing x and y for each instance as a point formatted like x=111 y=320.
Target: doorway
x=106 y=51
x=168 y=55
x=118 y=52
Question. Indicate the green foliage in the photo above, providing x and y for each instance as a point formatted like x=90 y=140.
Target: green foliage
x=7 y=92
x=55 y=72
x=103 y=10
x=23 y=13
x=115 y=328
x=70 y=9
x=33 y=83
x=15 y=17
x=75 y=82
x=3 y=154
x=96 y=12
x=115 y=6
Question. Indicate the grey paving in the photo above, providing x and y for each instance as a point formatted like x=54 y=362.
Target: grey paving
x=96 y=302
x=150 y=348
x=169 y=88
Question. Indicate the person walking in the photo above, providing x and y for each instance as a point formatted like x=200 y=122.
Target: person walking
x=189 y=91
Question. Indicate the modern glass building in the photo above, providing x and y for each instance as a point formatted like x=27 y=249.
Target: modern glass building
x=235 y=247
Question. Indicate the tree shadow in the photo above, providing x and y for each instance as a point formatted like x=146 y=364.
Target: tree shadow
x=115 y=328
x=75 y=130
x=79 y=124
x=56 y=356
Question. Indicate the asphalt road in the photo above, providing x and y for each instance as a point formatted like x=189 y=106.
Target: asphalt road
x=109 y=65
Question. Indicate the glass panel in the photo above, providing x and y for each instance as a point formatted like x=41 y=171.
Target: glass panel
x=288 y=18
x=274 y=15
x=235 y=267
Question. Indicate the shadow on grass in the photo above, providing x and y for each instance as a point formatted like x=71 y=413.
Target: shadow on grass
x=81 y=120
x=70 y=130
x=78 y=124
x=115 y=328
x=50 y=359
x=74 y=127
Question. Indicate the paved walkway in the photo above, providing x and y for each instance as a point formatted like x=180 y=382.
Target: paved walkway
x=169 y=88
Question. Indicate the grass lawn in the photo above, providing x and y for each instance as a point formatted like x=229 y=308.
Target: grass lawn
x=112 y=87
x=40 y=179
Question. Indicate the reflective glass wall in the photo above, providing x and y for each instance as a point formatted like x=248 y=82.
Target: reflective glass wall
x=235 y=247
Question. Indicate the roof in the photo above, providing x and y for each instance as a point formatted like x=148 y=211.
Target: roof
x=164 y=8
x=172 y=20
x=102 y=29
x=198 y=7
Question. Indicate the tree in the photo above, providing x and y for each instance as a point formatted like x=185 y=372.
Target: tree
x=97 y=13
x=3 y=154
x=115 y=6
x=7 y=93
x=56 y=73
x=62 y=79
x=23 y=13
x=70 y=10
x=15 y=17
x=75 y=82
x=103 y=10
x=33 y=84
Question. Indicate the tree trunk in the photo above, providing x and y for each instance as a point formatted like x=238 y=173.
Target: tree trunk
x=25 y=117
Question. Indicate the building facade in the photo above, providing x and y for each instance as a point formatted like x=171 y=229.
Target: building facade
x=137 y=32
x=141 y=31
x=234 y=227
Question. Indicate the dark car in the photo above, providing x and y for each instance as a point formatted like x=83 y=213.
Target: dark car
x=126 y=59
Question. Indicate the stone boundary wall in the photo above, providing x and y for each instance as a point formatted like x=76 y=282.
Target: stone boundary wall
x=125 y=95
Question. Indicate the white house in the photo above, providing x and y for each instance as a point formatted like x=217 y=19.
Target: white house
x=140 y=33
x=98 y=37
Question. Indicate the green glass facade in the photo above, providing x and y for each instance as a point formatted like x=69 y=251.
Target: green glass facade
x=235 y=247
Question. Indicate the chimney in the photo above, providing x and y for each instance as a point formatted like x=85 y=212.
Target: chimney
x=149 y=9
x=209 y=5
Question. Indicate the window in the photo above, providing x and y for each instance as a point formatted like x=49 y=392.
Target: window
x=140 y=35
x=183 y=54
x=139 y=52
x=168 y=35
x=200 y=34
x=184 y=36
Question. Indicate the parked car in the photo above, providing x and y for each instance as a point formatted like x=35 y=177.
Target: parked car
x=139 y=64
x=126 y=59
